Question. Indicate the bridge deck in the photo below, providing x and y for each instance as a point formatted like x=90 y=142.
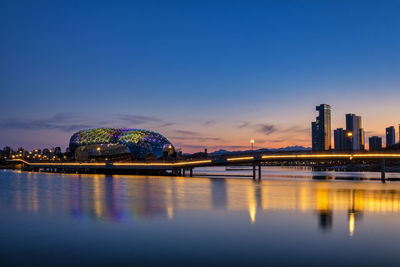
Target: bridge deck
x=179 y=167
x=211 y=162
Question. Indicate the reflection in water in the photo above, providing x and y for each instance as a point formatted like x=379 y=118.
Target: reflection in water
x=97 y=196
x=252 y=203
x=120 y=198
x=324 y=209
x=169 y=202
x=219 y=193
x=325 y=220
x=351 y=223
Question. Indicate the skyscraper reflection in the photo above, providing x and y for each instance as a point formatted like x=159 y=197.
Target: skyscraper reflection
x=124 y=198
x=219 y=193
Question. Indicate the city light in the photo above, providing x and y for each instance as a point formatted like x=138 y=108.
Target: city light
x=239 y=159
x=161 y=163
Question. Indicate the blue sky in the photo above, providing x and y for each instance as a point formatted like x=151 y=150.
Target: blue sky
x=204 y=73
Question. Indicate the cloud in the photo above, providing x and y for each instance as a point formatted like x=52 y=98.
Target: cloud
x=242 y=124
x=295 y=129
x=196 y=138
x=210 y=148
x=69 y=122
x=193 y=136
x=167 y=124
x=185 y=132
x=67 y=116
x=60 y=121
x=276 y=141
x=42 y=124
x=137 y=119
x=259 y=141
x=184 y=146
x=266 y=129
x=206 y=123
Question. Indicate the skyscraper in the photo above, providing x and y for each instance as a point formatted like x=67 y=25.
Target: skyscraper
x=340 y=139
x=355 y=137
x=362 y=138
x=390 y=136
x=375 y=143
x=321 y=129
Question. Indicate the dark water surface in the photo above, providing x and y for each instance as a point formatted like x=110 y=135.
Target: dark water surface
x=67 y=219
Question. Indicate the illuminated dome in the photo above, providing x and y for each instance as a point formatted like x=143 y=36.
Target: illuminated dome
x=111 y=143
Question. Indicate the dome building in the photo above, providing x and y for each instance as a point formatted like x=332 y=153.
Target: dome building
x=120 y=144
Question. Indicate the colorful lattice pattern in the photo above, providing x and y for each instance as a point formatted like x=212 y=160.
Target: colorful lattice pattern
x=139 y=141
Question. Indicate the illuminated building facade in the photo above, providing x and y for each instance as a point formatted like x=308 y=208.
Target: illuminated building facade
x=355 y=132
x=321 y=129
x=111 y=143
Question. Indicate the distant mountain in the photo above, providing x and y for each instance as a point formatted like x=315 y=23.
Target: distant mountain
x=291 y=148
x=262 y=150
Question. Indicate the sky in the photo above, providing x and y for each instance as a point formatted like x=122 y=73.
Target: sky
x=205 y=74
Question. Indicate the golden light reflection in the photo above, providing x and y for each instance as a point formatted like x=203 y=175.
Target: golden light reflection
x=323 y=199
x=98 y=208
x=351 y=224
x=121 y=197
x=170 y=212
x=252 y=204
x=34 y=196
x=169 y=202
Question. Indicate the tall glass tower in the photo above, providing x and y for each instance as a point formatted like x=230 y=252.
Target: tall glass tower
x=355 y=132
x=321 y=129
x=390 y=136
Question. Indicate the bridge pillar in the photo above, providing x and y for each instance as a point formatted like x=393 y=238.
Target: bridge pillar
x=191 y=171
x=383 y=171
x=183 y=172
x=254 y=169
x=259 y=170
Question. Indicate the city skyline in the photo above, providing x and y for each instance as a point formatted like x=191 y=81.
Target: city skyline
x=337 y=138
x=195 y=73
x=181 y=133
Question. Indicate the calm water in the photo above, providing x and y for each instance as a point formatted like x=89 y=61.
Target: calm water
x=56 y=219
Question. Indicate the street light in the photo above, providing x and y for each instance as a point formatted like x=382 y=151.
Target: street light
x=252 y=145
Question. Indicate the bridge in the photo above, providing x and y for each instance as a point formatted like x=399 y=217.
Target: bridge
x=180 y=167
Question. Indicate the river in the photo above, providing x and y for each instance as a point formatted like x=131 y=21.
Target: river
x=286 y=218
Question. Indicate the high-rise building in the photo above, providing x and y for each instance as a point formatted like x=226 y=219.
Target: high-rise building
x=339 y=136
x=321 y=129
x=375 y=143
x=362 y=138
x=390 y=136
x=7 y=152
x=355 y=137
